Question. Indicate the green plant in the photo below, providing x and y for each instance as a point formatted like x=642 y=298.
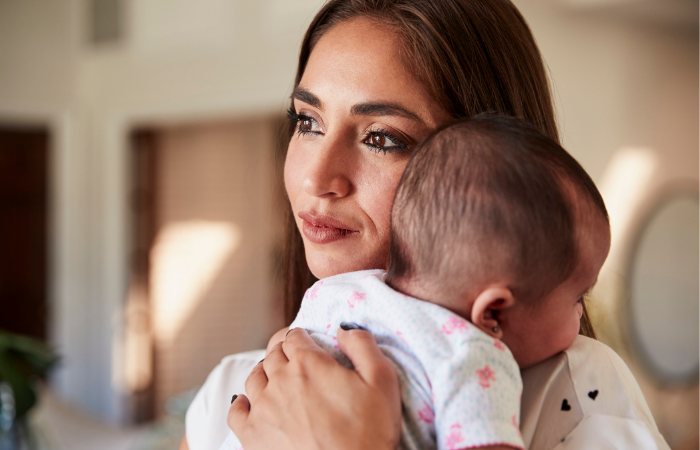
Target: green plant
x=22 y=361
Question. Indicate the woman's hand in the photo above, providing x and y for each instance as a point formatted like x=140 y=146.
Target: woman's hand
x=301 y=398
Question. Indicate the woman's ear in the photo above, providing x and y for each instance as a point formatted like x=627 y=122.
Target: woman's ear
x=488 y=305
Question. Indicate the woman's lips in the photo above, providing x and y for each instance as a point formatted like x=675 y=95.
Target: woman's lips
x=323 y=229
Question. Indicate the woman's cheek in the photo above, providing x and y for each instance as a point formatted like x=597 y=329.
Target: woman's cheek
x=380 y=197
x=384 y=203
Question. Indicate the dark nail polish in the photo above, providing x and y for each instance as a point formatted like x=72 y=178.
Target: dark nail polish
x=234 y=398
x=351 y=326
x=288 y=331
x=261 y=360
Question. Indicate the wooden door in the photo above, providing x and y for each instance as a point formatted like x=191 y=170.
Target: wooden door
x=23 y=231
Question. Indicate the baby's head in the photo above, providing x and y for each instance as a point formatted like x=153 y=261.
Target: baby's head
x=498 y=223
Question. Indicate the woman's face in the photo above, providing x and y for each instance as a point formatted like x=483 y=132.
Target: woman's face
x=360 y=113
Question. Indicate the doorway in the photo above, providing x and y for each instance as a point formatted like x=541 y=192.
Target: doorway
x=206 y=232
x=24 y=159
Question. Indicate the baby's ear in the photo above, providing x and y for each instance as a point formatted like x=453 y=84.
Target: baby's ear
x=487 y=306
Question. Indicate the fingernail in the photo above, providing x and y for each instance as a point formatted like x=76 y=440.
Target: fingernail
x=234 y=398
x=351 y=326
x=288 y=331
x=261 y=360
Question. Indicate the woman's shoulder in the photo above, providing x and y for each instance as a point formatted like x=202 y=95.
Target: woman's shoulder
x=577 y=390
x=206 y=417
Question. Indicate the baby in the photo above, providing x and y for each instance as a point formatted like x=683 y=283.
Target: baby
x=497 y=233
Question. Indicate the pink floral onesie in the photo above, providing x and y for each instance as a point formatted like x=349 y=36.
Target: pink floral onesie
x=460 y=388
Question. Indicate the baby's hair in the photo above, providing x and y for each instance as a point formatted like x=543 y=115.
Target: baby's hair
x=489 y=199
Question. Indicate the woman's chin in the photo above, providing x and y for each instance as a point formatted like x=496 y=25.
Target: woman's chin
x=327 y=267
x=324 y=265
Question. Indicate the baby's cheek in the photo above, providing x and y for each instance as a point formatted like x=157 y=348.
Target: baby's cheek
x=574 y=325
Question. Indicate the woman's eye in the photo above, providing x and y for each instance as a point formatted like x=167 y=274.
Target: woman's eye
x=383 y=141
x=378 y=140
x=306 y=124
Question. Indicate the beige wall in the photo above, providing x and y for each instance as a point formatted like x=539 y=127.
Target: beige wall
x=618 y=82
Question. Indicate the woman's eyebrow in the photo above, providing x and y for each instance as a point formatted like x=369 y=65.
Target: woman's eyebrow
x=361 y=109
x=384 y=109
x=305 y=96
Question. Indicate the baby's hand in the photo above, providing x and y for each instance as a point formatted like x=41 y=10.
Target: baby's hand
x=276 y=339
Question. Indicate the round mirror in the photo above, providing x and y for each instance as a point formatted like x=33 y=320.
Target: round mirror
x=664 y=291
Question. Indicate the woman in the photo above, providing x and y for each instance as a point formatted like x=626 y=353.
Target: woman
x=374 y=78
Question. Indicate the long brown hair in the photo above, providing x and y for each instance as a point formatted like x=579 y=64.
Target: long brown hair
x=473 y=55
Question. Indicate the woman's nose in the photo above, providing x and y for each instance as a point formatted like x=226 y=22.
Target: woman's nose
x=327 y=174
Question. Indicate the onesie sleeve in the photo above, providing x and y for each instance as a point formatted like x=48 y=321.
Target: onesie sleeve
x=476 y=396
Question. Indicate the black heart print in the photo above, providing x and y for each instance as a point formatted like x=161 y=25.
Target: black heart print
x=565 y=405
x=593 y=394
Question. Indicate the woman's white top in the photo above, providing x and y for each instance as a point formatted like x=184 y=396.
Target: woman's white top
x=582 y=398
x=585 y=398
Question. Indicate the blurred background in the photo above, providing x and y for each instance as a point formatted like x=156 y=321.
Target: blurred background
x=140 y=209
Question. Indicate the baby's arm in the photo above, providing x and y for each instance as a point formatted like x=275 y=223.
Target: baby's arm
x=276 y=338
x=476 y=395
